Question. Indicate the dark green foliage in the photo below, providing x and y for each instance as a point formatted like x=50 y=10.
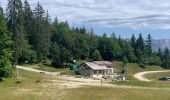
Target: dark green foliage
x=150 y=59
x=96 y=55
x=149 y=45
x=15 y=26
x=166 y=59
x=133 y=41
x=105 y=46
x=41 y=36
x=132 y=58
x=29 y=56
x=5 y=50
x=140 y=48
x=140 y=43
x=28 y=20
x=160 y=53
x=125 y=60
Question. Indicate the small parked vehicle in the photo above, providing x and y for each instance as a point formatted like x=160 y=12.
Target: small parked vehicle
x=164 y=79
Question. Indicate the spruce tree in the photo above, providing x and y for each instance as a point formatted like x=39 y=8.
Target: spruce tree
x=149 y=44
x=160 y=53
x=133 y=41
x=140 y=43
x=140 y=47
x=28 y=20
x=166 y=59
x=41 y=37
x=5 y=48
x=15 y=26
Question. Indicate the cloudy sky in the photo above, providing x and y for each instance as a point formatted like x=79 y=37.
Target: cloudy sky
x=123 y=17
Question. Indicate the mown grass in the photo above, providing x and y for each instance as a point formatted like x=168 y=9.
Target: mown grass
x=29 y=89
x=103 y=93
x=157 y=84
x=156 y=76
x=135 y=68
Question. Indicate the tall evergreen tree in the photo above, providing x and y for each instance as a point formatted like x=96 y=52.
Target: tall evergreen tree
x=140 y=43
x=113 y=36
x=15 y=26
x=160 y=53
x=41 y=35
x=28 y=20
x=166 y=59
x=5 y=48
x=166 y=53
x=149 y=44
x=133 y=41
x=140 y=47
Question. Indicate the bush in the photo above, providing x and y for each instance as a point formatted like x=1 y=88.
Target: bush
x=56 y=64
x=28 y=55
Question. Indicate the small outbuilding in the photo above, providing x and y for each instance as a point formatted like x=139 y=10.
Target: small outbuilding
x=96 y=68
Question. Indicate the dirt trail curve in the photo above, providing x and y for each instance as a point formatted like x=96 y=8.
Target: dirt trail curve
x=37 y=71
x=140 y=75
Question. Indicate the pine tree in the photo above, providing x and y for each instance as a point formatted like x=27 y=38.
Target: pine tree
x=41 y=37
x=5 y=48
x=166 y=53
x=15 y=26
x=166 y=59
x=47 y=33
x=140 y=48
x=113 y=36
x=28 y=20
x=133 y=41
x=140 y=43
x=160 y=53
x=96 y=55
x=149 y=44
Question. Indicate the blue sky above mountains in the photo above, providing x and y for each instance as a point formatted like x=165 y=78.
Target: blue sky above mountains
x=123 y=17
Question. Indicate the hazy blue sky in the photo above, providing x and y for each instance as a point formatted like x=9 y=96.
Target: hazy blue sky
x=123 y=17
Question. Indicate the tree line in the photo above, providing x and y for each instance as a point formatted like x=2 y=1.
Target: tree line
x=30 y=35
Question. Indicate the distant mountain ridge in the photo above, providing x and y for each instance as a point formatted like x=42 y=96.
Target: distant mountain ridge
x=161 y=43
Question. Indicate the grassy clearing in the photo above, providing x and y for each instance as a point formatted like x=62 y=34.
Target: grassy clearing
x=153 y=84
x=28 y=89
x=98 y=93
x=156 y=76
x=135 y=68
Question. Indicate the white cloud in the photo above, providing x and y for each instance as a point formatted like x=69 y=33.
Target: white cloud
x=135 y=14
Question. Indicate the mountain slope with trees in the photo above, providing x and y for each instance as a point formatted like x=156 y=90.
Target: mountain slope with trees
x=36 y=39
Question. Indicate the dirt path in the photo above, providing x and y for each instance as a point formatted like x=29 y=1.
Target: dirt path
x=140 y=75
x=37 y=71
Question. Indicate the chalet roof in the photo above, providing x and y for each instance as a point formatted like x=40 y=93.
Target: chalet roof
x=104 y=63
x=95 y=66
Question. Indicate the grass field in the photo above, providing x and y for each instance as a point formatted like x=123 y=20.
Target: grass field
x=28 y=89
x=96 y=93
x=50 y=88
x=135 y=68
x=156 y=76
